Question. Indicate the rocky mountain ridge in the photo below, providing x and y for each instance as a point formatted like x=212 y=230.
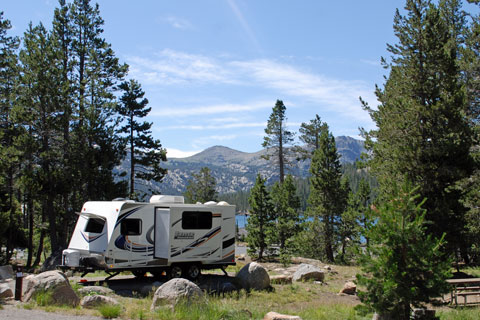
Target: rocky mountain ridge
x=236 y=170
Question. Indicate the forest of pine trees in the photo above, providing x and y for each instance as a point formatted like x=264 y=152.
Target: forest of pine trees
x=59 y=128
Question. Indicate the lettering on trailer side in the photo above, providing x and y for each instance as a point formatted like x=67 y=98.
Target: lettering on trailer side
x=182 y=235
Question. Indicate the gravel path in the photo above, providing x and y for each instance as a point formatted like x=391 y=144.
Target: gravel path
x=10 y=311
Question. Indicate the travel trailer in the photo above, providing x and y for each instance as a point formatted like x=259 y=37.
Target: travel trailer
x=164 y=236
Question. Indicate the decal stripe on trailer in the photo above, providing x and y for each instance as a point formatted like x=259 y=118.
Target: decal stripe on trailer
x=127 y=214
x=229 y=254
x=198 y=242
x=228 y=243
x=90 y=238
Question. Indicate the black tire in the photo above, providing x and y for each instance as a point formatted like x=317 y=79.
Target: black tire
x=175 y=272
x=139 y=273
x=192 y=271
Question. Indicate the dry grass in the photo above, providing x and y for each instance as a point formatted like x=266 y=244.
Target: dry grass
x=309 y=300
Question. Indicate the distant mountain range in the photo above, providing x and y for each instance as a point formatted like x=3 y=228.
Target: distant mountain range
x=235 y=170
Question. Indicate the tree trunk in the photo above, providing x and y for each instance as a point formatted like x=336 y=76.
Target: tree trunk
x=11 y=222
x=38 y=256
x=132 y=159
x=30 y=230
x=280 y=155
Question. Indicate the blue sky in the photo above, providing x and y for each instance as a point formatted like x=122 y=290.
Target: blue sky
x=213 y=69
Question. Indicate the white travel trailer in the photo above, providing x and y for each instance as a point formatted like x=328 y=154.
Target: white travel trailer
x=164 y=235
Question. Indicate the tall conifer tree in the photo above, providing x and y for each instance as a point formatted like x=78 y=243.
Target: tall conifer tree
x=286 y=211
x=37 y=111
x=278 y=138
x=259 y=224
x=327 y=199
x=201 y=188
x=9 y=156
x=423 y=135
x=146 y=153
x=310 y=136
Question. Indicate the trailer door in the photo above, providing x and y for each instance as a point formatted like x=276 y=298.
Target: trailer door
x=162 y=233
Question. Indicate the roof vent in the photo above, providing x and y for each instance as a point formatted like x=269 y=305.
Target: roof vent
x=160 y=198
x=210 y=203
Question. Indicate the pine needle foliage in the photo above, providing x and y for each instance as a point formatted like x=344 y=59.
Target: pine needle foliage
x=403 y=266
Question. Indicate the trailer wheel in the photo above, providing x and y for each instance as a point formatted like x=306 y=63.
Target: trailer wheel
x=175 y=272
x=192 y=271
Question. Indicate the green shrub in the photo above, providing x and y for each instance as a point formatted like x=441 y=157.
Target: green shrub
x=110 y=311
x=403 y=266
x=43 y=298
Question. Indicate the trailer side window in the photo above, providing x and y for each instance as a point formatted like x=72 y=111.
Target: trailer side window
x=196 y=220
x=94 y=225
x=131 y=227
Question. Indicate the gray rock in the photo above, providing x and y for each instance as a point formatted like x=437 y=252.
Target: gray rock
x=349 y=288
x=6 y=272
x=5 y=291
x=253 y=276
x=306 y=272
x=174 y=291
x=97 y=300
x=54 y=281
x=95 y=289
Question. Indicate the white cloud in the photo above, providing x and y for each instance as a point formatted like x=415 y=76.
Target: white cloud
x=336 y=95
x=178 y=23
x=173 y=67
x=340 y=97
x=175 y=153
x=244 y=24
x=217 y=126
x=209 y=110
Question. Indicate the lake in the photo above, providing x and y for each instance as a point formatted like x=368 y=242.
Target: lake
x=241 y=220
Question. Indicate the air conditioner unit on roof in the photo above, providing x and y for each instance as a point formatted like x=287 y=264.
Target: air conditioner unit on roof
x=160 y=198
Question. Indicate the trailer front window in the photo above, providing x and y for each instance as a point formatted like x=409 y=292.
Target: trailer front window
x=94 y=225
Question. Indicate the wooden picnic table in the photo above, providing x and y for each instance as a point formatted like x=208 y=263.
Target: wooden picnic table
x=464 y=288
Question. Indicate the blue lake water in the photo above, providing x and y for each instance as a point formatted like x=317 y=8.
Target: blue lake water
x=241 y=220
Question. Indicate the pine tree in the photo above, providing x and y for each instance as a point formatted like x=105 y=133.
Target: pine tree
x=403 y=267
x=326 y=200
x=310 y=136
x=37 y=112
x=423 y=135
x=259 y=224
x=9 y=155
x=286 y=211
x=89 y=74
x=146 y=153
x=471 y=68
x=348 y=228
x=278 y=138
x=201 y=188
x=361 y=204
